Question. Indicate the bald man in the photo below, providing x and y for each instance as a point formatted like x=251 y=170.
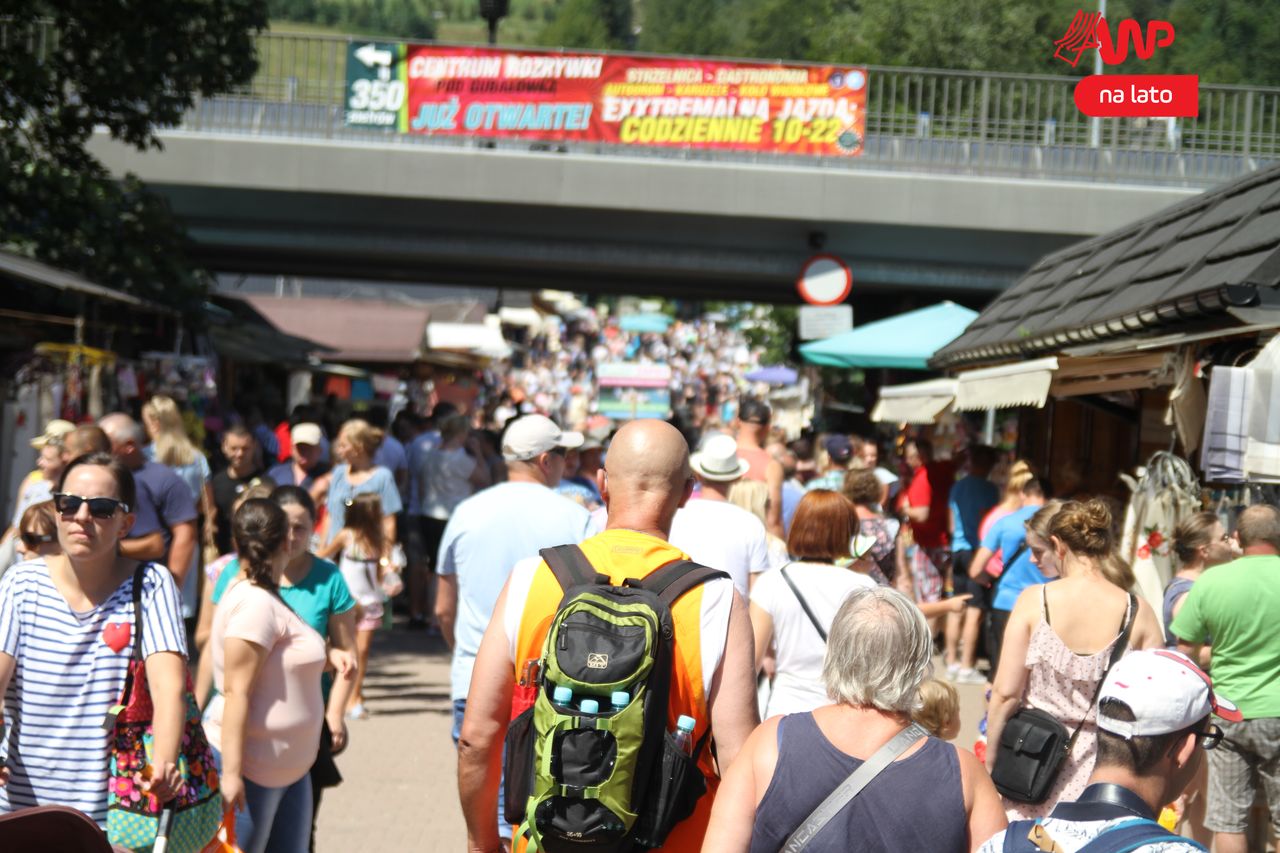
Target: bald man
x=645 y=479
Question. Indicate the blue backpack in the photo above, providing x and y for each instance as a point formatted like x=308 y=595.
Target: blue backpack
x=1121 y=838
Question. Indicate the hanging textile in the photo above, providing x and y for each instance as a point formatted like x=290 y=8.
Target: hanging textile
x=1226 y=429
x=1262 y=448
x=1167 y=492
x=1187 y=404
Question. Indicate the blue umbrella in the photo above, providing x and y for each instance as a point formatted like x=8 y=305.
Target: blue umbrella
x=778 y=374
x=906 y=341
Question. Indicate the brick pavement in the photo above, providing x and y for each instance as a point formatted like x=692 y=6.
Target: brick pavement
x=400 y=793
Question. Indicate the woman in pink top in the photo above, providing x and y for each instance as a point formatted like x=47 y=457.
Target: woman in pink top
x=265 y=720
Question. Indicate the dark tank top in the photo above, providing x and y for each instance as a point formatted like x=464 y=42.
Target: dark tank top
x=914 y=804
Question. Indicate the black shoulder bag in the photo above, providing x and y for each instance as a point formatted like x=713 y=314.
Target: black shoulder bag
x=1034 y=743
x=804 y=605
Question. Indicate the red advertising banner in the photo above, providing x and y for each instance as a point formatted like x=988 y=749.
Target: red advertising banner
x=633 y=100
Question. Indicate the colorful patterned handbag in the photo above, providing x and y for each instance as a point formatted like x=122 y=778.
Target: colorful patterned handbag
x=133 y=815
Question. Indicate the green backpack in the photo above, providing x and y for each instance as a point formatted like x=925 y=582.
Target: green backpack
x=613 y=778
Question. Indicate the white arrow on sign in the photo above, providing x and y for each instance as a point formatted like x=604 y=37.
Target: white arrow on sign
x=371 y=56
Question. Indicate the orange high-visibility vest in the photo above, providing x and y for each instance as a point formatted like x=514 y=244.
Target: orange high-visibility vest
x=623 y=554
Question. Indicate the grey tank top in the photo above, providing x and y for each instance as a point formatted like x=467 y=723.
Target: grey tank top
x=914 y=804
x=1177 y=588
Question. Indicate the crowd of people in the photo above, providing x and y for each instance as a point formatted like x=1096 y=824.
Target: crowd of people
x=839 y=572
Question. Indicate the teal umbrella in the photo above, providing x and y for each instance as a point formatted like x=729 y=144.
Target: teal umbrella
x=906 y=341
x=642 y=323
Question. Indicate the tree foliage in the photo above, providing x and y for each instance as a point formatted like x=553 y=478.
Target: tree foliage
x=400 y=18
x=1224 y=41
x=130 y=68
x=578 y=24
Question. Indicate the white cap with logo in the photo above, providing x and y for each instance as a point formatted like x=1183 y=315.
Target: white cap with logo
x=1166 y=692
x=532 y=435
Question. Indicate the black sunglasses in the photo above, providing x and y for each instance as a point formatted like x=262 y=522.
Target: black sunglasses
x=98 y=507
x=35 y=540
x=1210 y=737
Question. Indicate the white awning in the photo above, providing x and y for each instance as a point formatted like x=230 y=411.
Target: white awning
x=917 y=403
x=1025 y=383
x=480 y=339
x=528 y=317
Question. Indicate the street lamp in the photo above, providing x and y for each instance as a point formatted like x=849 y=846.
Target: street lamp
x=1095 y=123
x=494 y=11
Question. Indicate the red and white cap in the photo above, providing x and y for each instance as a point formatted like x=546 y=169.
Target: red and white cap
x=1165 y=690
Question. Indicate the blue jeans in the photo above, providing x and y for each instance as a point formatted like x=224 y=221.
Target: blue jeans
x=274 y=820
x=459 y=711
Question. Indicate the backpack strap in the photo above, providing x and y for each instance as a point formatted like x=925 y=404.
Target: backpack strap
x=675 y=579
x=569 y=565
x=1016 y=837
x=1133 y=835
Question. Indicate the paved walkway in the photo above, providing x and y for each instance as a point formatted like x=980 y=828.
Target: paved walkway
x=400 y=793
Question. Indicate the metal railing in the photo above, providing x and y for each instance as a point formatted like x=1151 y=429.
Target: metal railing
x=974 y=123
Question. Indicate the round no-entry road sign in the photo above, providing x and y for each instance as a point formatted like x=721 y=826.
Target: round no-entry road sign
x=824 y=280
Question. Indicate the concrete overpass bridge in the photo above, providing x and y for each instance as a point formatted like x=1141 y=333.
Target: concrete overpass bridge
x=964 y=181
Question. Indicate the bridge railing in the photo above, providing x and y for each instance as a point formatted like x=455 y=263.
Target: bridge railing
x=980 y=123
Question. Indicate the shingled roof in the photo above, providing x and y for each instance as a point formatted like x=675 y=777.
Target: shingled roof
x=1186 y=264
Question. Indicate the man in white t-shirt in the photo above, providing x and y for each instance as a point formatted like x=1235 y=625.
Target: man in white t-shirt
x=713 y=531
x=492 y=531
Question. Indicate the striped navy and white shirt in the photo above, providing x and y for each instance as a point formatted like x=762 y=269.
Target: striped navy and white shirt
x=66 y=677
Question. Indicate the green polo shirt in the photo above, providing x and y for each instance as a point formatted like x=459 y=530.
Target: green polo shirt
x=1238 y=604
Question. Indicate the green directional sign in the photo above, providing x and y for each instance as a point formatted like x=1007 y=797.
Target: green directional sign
x=375 y=85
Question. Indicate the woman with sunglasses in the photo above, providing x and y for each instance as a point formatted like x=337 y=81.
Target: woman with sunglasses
x=67 y=632
x=38 y=532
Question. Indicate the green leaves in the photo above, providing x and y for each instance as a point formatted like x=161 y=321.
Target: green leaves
x=131 y=69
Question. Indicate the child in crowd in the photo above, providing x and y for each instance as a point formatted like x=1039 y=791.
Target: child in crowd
x=360 y=543
x=38 y=533
x=940 y=709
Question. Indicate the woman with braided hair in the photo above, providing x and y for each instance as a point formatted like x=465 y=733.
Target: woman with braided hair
x=265 y=718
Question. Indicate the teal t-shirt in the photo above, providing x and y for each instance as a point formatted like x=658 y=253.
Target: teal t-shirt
x=1236 y=604
x=321 y=594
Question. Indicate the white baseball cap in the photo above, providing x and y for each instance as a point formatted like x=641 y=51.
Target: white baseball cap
x=532 y=435
x=1166 y=692
x=306 y=434
x=718 y=461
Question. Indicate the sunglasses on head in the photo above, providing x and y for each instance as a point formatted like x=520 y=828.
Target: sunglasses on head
x=98 y=507
x=35 y=540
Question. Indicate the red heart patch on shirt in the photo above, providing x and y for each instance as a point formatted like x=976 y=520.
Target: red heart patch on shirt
x=116 y=636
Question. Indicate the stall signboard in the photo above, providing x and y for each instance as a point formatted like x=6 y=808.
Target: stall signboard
x=375 y=86
x=629 y=390
x=814 y=110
